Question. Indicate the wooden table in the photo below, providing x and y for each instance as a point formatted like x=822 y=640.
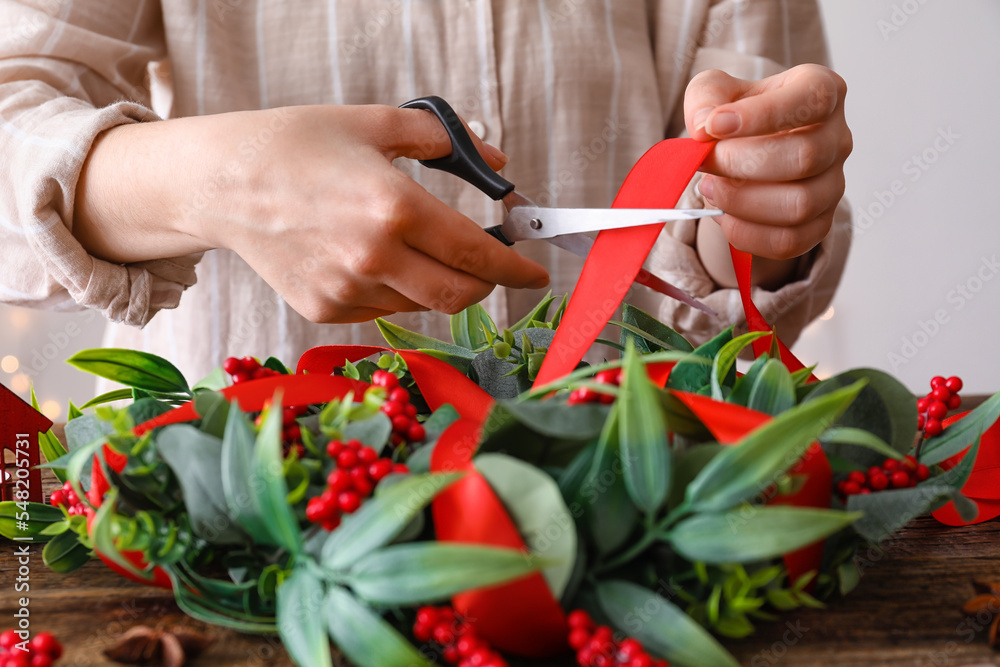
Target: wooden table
x=906 y=611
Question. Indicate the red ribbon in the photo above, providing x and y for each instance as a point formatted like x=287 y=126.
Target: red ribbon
x=983 y=485
x=729 y=423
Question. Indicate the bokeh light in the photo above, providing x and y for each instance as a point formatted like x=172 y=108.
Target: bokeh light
x=20 y=383
x=9 y=364
x=51 y=409
x=828 y=314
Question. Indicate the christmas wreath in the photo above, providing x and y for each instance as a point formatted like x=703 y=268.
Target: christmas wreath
x=492 y=496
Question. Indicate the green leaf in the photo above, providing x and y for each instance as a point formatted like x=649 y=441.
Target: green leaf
x=658 y=333
x=381 y=519
x=217 y=380
x=467 y=327
x=28 y=520
x=533 y=501
x=555 y=419
x=275 y=364
x=64 y=553
x=85 y=430
x=962 y=433
x=687 y=468
x=196 y=459
x=693 y=373
x=131 y=368
x=300 y=621
x=103 y=538
x=724 y=360
x=425 y=572
x=365 y=637
x=539 y=313
x=214 y=411
x=72 y=413
x=642 y=436
x=48 y=443
x=845 y=435
x=115 y=395
x=239 y=482
x=739 y=472
x=773 y=392
x=401 y=339
x=754 y=533
x=268 y=467
x=609 y=513
x=373 y=432
x=740 y=395
x=660 y=626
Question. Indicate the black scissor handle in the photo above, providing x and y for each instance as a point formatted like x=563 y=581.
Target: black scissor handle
x=464 y=161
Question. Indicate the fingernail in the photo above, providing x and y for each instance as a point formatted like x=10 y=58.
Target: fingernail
x=497 y=154
x=724 y=123
x=699 y=118
x=706 y=186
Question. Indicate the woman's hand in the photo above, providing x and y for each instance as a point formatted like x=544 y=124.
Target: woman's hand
x=308 y=197
x=778 y=168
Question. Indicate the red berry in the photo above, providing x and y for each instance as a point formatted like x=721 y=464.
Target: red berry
x=857 y=477
x=293 y=433
x=399 y=395
x=941 y=394
x=878 y=482
x=450 y=654
x=41 y=660
x=900 y=479
x=954 y=384
x=18 y=659
x=416 y=432
x=401 y=423
x=392 y=408
x=422 y=632
x=609 y=376
x=444 y=634
x=909 y=462
x=467 y=645
x=923 y=472
x=347 y=459
x=933 y=427
x=427 y=615
x=332 y=523
x=349 y=502
x=889 y=465
x=334 y=448
x=851 y=488
x=242 y=376
x=57 y=498
x=922 y=404
x=231 y=365
x=585 y=656
x=379 y=469
x=937 y=381
x=575 y=398
x=641 y=661
x=367 y=455
x=578 y=638
x=400 y=469
x=921 y=420
x=364 y=487
x=579 y=618
x=954 y=402
x=353 y=445
x=607 y=399
x=8 y=639
x=339 y=480
x=937 y=410
x=72 y=498
x=410 y=410
x=629 y=649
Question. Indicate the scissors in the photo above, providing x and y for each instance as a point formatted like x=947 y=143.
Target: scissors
x=563 y=227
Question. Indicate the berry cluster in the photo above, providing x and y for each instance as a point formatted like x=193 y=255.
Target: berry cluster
x=291 y=432
x=246 y=369
x=892 y=474
x=397 y=407
x=457 y=639
x=933 y=407
x=43 y=650
x=66 y=497
x=611 y=376
x=358 y=470
x=595 y=645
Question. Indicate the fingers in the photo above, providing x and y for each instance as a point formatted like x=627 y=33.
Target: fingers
x=775 y=204
x=776 y=242
x=419 y=135
x=787 y=156
x=719 y=106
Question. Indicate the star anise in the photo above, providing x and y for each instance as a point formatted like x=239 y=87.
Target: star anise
x=987 y=599
x=167 y=646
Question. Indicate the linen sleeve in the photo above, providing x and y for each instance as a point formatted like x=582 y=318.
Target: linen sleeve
x=69 y=70
x=748 y=39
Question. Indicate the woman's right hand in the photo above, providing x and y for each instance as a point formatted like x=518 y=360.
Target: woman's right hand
x=308 y=197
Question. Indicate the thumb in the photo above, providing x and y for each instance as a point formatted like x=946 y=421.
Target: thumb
x=419 y=135
x=708 y=90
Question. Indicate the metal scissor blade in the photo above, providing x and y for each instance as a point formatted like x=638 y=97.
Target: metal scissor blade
x=539 y=222
x=580 y=244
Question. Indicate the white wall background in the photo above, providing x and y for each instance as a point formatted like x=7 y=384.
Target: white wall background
x=921 y=295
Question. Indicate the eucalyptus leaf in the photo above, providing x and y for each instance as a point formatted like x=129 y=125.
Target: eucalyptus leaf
x=754 y=533
x=467 y=327
x=300 y=619
x=217 y=380
x=845 y=435
x=609 y=513
x=962 y=433
x=196 y=459
x=773 y=391
x=693 y=373
x=740 y=395
x=373 y=432
x=667 y=338
x=687 y=468
x=365 y=637
x=642 y=437
x=381 y=519
x=724 y=360
x=240 y=484
x=533 y=501
x=493 y=375
x=743 y=470
x=401 y=339
x=660 y=626
x=268 y=467
x=85 y=430
x=214 y=411
x=131 y=368
x=422 y=572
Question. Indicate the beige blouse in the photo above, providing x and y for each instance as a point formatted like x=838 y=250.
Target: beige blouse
x=574 y=91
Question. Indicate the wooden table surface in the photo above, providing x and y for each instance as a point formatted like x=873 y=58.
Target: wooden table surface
x=905 y=612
